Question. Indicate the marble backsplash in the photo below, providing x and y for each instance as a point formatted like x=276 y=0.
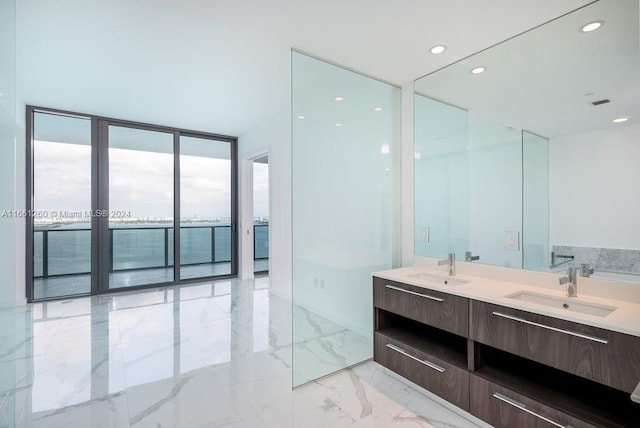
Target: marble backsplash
x=601 y=259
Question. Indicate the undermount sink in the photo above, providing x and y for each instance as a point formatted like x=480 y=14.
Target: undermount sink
x=437 y=279
x=569 y=304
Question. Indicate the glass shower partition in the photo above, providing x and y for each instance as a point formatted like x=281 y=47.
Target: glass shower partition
x=441 y=176
x=345 y=146
x=535 y=202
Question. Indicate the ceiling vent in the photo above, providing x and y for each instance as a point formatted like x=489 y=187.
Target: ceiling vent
x=597 y=103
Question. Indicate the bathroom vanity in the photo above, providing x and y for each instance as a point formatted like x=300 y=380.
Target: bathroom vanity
x=510 y=354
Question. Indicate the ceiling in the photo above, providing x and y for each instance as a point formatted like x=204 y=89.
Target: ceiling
x=224 y=66
x=546 y=80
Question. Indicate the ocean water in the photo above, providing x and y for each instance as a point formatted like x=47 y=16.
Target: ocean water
x=139 y=246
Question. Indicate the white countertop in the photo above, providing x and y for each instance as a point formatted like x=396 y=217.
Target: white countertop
x=625 y=319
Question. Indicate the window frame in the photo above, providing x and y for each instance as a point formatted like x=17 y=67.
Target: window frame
x=100 y=200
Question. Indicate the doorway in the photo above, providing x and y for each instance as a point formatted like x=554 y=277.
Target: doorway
x=261 y=215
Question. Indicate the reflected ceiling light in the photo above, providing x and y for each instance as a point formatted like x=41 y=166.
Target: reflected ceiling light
x=620 y=120
x=417 y=155
x=301 y=117
x=338 y=99
x=338 y=125
x=377 y=109
x=438 y=49
x=384 y=149
x=592 y=26
x=478 y=70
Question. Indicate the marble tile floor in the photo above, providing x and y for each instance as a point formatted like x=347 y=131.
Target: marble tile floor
x=68 y=285
x=216 y=354
x=151 y=276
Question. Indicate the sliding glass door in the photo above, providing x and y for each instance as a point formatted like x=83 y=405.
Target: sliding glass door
x=141 y=199
x=105 y=197
x=60 y=232
x=205 y=208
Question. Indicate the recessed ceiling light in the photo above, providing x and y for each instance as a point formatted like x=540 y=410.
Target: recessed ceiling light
x=478 y=70
x=592 y=26
x=620 y=120
x=338 y=98
x=377 y=109
x=338 y=125
x=438 y=49
x=301 y=117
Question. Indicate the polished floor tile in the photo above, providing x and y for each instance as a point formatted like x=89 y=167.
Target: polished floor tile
x=217 y=354
x=69 y=285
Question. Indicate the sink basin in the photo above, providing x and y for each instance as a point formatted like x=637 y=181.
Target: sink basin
x=569 y=304
x=437 y=279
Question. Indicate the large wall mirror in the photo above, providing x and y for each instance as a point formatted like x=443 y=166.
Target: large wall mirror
x=527 y=154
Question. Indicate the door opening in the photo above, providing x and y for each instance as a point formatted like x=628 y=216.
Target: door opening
x=261 y=215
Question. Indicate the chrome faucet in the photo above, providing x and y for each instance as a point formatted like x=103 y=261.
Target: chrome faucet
x=555 y=257
x=451 y=261
x=571 y=280
x=585 y=270
x=469 y=257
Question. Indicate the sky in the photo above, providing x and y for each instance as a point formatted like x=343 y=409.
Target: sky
x=139 y=181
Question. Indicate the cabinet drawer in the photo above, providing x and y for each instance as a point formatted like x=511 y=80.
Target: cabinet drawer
x=441 y=310
x=502 y=407
x=600 y=355
x=435 y=375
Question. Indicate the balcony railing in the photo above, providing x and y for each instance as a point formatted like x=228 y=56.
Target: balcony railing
x=68 y=251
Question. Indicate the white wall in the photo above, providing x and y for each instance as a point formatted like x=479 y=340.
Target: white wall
x=182 y=64
x=593 y=188
x=8 y=226
x=274 y=136
x=168 y=63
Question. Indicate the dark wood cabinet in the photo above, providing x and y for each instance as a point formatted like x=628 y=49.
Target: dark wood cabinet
x=601 y=355
x=445 y=311
x=508 y=367
x=432 y=373
x=504 y=408
x=557 y=394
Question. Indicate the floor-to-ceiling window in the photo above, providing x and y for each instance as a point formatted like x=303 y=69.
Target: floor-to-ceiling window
x=104 y=199
x=205 y=208
x=61 y=205
x=140 y=221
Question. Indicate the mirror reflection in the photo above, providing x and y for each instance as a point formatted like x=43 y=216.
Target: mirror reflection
x=532 y=162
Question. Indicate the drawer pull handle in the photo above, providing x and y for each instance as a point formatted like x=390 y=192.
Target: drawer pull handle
x=426 y=296
x=522 y=407
x=425 y=362
x=559 y=330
